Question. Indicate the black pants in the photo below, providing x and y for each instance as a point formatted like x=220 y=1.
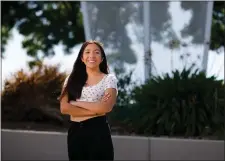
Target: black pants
x=90 y=140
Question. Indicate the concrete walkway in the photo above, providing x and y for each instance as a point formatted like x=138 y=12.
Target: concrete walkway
x=31 y=145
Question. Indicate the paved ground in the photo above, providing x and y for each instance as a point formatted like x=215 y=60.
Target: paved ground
x=34 y=145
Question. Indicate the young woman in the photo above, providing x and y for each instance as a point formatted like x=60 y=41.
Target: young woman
x=88 y=94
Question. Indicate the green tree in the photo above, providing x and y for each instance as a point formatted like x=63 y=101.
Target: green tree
x=46 y=24
x=218 y=26
x=43 y=24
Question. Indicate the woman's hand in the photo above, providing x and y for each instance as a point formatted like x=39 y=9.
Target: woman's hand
x=105 y=97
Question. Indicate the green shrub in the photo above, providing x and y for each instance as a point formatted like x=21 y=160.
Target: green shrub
x=185 y=104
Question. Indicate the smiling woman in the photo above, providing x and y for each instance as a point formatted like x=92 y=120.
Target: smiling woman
x=88 y=94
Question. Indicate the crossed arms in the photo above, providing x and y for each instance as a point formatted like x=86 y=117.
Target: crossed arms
x=82 y=108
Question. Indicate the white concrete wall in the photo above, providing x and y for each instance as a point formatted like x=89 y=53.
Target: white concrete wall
x=27 y=145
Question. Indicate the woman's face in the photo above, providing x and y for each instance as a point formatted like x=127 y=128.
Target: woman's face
x=92 y=56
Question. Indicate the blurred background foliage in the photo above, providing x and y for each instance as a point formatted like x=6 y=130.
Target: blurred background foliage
x=186 y=103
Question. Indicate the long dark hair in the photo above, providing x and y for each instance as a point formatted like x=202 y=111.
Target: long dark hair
x=78 y=76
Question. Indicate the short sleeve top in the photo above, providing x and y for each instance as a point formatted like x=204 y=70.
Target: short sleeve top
x=95 y=92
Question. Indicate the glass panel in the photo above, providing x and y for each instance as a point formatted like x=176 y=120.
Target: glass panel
x=177 y=33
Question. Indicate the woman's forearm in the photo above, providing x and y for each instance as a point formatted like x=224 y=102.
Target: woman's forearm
x=96 y=107
x=80 y=112
x=67 y=108
x=102 y=106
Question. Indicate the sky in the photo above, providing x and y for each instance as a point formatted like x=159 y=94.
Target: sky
x=16 y=57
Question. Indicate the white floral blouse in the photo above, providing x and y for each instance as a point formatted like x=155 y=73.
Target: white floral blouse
x=95 y=92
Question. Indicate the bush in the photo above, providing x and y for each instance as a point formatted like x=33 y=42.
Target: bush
x=33 y=97
x=185 y=104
